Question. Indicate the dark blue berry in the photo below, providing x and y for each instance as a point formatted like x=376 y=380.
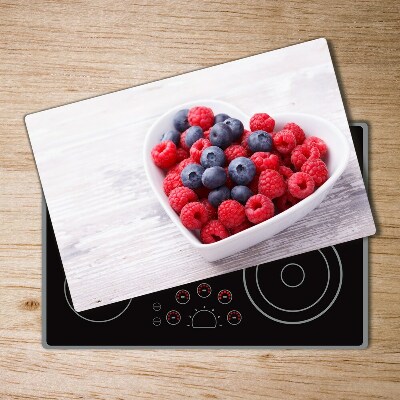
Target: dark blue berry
x=220 y=118
x=242 y=170
x=181 y=122
x=193 y=134
x=260 y=141
x=213 y=177
x=172 y=135
x=212 y=156
x=237 y=128
x=241 y=194
x=221 y=135
x=191 y=176
x=217 y=196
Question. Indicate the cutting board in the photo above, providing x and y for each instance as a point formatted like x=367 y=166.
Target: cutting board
x=114 y=239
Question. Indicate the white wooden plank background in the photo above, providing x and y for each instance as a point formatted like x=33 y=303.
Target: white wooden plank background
x=115 y=241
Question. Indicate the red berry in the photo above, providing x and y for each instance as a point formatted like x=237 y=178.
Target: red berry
x=253 y=185
x=212 y=212
x=181 y=154
x=300 y=185
x=317 y=170
x=213 y=232
x=184 y=163
x=207 y=134
x=235 y=151
x=197 y=148
x=172 y=181
x=286 y=172
x=312 y=141
x=271 y=184
x=231 y=213
x=201 y=116
x=182 y=141
x=181 y=196
x=262 y=122
x=302 y=153
x=229 y=183
x=164 y=154
x=286 y=201
x=259 y=208
x=194 y=216
x=244 y=143
x=243 y=226
x=284 y=141
x=265 y=160
x=297 y=132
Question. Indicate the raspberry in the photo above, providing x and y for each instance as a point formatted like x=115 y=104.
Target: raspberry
x=184 y=163
x=243 y=226
x=231 y=213
x=244 y=142
x=197 y=148
x=181 y=196
x=172 y=181
x=212 y=212
x=265 y=160
x=259 y=208
x=319 y=143
x=213 y=232
x=206 y=134
x=302 y=153
x=202 y=192
x=297 y=132
x=284 y=141
x=229 y=183
x=300 y=185
x=182 y=141
x=181 y=154
x=286 y=201
x=271 y=184
x=317 y=170
x=286 y=172
x=194 y=215
x=164 y=154
x=201 y=116
x=286 y=161
x=262 y=122
x=253 y=185
x=234 y=151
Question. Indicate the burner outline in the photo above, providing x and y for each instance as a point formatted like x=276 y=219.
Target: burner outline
x=292 y=286
x=308 y=319
x=88 y=319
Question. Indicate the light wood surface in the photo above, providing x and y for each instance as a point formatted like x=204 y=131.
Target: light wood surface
x=115 y=240
x=57 y=52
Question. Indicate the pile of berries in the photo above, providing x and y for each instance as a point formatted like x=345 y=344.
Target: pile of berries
x=222 y=179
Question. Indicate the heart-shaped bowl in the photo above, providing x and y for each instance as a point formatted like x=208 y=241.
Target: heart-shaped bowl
x=338 y=156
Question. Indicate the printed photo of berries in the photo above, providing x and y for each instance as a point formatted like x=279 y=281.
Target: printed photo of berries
x=222 y=178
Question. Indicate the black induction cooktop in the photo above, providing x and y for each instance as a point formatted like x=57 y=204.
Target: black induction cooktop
x=315 y=299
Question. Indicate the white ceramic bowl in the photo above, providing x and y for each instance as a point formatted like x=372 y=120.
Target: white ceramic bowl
x=337 y=160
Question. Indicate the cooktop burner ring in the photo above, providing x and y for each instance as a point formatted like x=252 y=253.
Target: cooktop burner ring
x=302 y=278
x=90 y=319
x=300 y=316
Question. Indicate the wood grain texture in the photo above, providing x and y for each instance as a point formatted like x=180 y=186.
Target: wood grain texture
x=57 y=52
x=115 y=240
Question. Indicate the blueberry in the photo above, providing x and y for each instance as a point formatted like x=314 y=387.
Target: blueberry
x=260 y=141
x=172 y=135
x=220 y=118
x=194 y=133
x=212 y=156
x=181 y=122
x=191 y=176
x=237 y=128
x=218 y=195
x=241 y=194
x=242 y=170
x=221 y=135
x=213 y=177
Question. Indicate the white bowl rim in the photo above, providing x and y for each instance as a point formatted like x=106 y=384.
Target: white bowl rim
x=253 y=229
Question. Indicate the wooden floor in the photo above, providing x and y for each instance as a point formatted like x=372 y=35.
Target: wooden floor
x=55 y=52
